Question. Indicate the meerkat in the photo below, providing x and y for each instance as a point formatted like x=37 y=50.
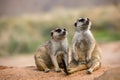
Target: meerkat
x=85 y=51
x=49 y=55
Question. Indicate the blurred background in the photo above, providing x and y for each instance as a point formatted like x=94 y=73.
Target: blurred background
x=25 y=24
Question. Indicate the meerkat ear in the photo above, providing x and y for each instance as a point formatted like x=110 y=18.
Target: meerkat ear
x=51 y=33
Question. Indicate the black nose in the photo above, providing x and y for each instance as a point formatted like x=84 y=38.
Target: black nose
x=75 y=24
x=64 y=33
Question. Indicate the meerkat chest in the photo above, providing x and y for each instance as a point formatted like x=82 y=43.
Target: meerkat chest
x=81 y=40
x=60 y=46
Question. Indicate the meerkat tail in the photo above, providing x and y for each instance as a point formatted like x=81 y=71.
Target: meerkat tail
x=65 y=67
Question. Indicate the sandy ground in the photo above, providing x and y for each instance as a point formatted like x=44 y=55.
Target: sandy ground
x=23 y=67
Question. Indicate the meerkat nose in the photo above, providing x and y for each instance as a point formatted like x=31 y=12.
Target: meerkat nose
x=64 y=32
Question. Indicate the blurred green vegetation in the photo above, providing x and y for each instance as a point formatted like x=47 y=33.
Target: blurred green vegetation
x=23 y=34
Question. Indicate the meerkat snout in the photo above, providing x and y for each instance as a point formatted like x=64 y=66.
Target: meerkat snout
x=64 y=32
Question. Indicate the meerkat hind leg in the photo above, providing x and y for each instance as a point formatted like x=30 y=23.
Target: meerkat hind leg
x=93 y=67
x=42 y=66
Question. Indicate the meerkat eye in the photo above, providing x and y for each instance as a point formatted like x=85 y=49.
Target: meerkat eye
x=58 y=30
x=81 y=20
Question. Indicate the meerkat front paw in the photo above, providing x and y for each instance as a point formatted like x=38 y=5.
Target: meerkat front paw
x=89 y=71
x=69 y=69
x=58 y=70
x=47 y=70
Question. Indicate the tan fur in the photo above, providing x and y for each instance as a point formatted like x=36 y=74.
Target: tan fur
x=85 y=51
x=49 y=55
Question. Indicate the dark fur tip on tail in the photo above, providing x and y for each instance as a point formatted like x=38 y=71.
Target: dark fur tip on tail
x=65 y=67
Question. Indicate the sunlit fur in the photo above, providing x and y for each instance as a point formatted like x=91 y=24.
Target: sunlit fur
x=49 y=55
x=85 y=51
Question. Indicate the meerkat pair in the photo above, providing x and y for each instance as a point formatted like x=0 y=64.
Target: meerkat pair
x=85 y=53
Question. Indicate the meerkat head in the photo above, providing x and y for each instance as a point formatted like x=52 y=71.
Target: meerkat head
x=83 y=24
x=59 y=34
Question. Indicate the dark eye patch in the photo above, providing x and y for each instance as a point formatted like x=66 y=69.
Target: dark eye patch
x=81 y=20
x=58 y=30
